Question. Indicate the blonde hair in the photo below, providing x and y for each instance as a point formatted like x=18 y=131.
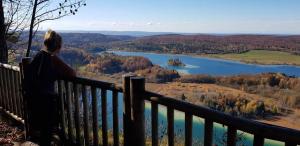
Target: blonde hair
x=52 y=40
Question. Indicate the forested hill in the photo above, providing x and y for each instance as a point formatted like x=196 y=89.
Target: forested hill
x=210 y=44
x=84 y=40
x=177 y=43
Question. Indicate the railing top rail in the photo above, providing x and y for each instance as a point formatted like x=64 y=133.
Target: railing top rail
x=95 y=83
x=16 y=68
x=249 y=126
x=81 y=80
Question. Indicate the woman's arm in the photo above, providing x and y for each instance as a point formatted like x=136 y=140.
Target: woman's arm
x=64 y=70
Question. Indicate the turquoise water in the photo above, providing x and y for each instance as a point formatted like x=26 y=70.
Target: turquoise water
x=198 y=125
x=202 y=65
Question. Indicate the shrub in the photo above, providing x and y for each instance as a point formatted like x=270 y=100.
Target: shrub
x=157 y=74
x=110 y=63
x=197 y=79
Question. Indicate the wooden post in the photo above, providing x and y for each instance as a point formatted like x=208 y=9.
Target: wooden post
x=1 y=87
x=208 y=132
x=6 y=76
x=231 y=135
x=154 y=123
x=137 y=91
x=95 y=116
x=290 y=144
x=69 y=111
x=62 y=108
x=188 y=129
x=115 y=118
x=85 y=116
x=76 y=114
x=13 y=92
x=127 y=110
x=17 y=94
x=25 y=62
x=170 y=119
x=104 y=117
x=258 y=140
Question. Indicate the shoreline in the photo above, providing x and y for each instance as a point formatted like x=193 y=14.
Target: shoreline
x=210 y=56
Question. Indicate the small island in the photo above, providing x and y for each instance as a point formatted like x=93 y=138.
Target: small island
x=175 y=62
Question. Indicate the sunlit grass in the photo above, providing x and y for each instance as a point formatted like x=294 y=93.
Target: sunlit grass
x=262 y=57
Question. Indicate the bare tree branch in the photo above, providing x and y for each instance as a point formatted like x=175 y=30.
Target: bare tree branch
x=18 y=14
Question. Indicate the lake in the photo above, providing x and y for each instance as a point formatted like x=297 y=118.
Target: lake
x=210 y=66
x=219 y=131
x=202 y=65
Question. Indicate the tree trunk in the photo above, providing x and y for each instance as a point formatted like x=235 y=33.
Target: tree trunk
x=31 y=29
x=3 y=45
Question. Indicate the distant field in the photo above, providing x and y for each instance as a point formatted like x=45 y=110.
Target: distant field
x=262 y=57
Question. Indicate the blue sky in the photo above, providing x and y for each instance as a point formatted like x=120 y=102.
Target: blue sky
x=192 y=16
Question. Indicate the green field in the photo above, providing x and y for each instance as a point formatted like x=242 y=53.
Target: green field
x=262 y=57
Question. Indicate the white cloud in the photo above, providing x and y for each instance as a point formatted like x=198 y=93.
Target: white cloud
x=114 y=23
x=150 y=23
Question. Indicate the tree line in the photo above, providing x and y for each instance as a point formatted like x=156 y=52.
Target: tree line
x=210 y=44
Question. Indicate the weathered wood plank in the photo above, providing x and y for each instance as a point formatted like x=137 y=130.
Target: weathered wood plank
x=154 y=122
x=95 y=116
x=258 y=140
x=104 y=116
x=231 y=136
x=69 y=112
x=13 y=92
x=62 y=107
x=18 y=95
x=2 y=86
x=23 y=66
x=170 y=119
x=290 y=144
x=115 y=118
x=137 y=92
x=208 y=132
x=8 y=87
x=127 y=123
x=76 y=114
x=85 y=116
x=188 y=129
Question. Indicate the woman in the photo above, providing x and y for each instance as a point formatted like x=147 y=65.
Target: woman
x=39 y=79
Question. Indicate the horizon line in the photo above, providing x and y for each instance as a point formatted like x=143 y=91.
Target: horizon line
x=167 y=32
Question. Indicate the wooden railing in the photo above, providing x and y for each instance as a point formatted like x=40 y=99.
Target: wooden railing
x=80 y=91
x=82 y=123
x=260 y=131
x=11 y=101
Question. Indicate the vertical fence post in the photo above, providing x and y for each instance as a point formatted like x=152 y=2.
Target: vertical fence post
x=127 y=110
x=1 y=87
x=25 y=62
x=137 y=91
x=208 y=132
x=231 y=135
